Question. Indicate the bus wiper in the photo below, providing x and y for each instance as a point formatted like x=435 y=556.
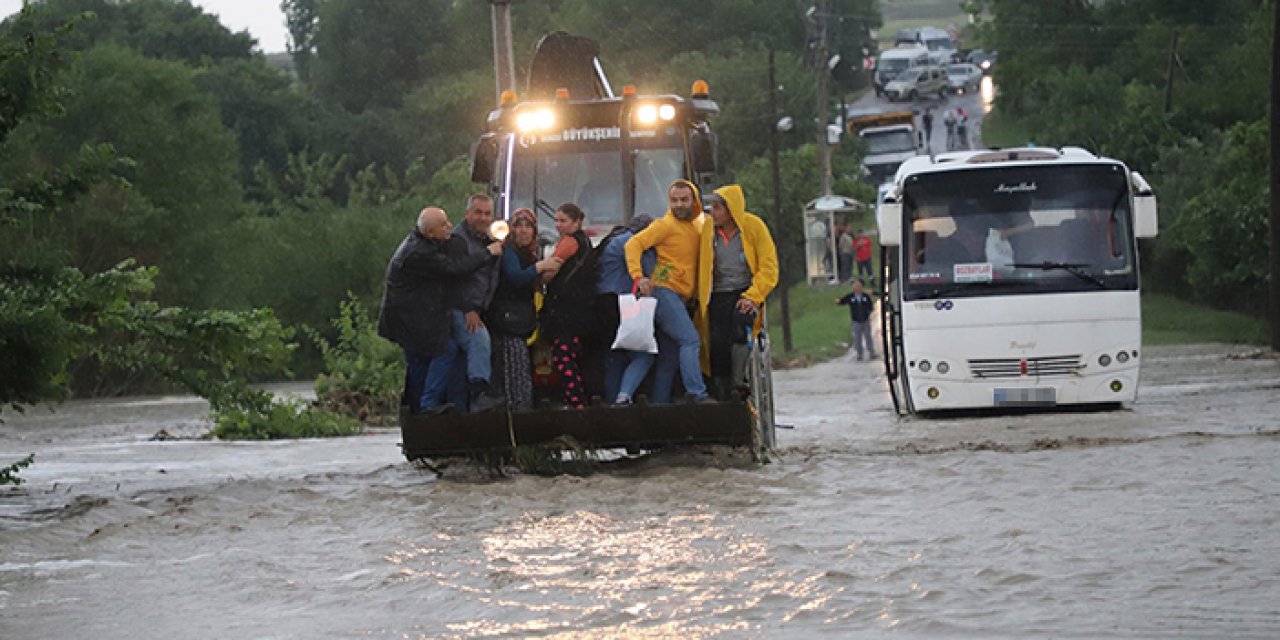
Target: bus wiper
x=1074 y=268
x=545 y=208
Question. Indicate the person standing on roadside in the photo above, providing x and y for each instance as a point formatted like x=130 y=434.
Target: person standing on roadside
x=844 y=253
x=471 y=300
x=862 y=253
x=860 y=308
x=962 y=127
x=737 y=269
x=676 y=236
x=414 y=312
x=927 y=120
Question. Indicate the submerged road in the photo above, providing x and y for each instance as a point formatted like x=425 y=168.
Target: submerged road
x=1156 y=520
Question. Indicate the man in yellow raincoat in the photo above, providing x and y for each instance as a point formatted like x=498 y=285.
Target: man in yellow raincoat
x=737 y=268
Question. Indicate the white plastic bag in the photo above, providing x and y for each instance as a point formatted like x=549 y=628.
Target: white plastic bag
x=999 y=251
x=635 y=326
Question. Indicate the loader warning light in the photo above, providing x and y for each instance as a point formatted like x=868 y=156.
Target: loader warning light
x=700 y=89
x=562 y=93
x=509 y=98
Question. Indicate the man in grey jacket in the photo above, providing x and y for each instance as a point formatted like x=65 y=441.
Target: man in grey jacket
x=471 y=298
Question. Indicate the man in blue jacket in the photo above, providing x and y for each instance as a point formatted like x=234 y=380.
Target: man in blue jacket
x=414 y=312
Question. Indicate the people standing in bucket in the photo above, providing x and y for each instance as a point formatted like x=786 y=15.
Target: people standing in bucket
x=511 y=316
x=565 y=317
x=737 y=269
x=676 y=236
x=471 y=299
x=860 y=309
x=624 y=370
x=414 y=312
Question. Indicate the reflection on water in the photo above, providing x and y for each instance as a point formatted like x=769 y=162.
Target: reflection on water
x=1149 y=522
x=988 y=93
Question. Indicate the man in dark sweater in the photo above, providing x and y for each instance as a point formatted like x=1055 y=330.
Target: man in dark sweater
x=471 y=298
x=414 y=312
x=860 y=308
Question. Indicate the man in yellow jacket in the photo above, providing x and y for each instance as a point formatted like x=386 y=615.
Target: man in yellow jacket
x=737 y=268
x=675 y=236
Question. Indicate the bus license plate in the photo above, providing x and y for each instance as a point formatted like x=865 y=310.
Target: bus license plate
x=1033 y=397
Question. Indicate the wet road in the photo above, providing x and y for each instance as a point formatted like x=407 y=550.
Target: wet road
x=1157 y=520
x=977 y=103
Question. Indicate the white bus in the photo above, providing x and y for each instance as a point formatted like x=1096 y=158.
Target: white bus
x=1010 y=279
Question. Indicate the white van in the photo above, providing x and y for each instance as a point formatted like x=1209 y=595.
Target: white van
x=894 y=61
x=940 y=44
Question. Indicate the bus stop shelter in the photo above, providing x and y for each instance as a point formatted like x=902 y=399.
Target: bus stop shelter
x=820 y=215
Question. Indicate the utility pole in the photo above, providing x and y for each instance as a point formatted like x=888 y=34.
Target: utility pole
x=504 y=59
x=784 y=296
x=1168 y=78
x=1275 y=178
x=820 y=16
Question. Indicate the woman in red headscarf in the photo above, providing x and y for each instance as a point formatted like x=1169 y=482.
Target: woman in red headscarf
x=512 y=317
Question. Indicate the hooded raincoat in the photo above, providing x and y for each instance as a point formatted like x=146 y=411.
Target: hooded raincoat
x=677 y=243
x=762 y=259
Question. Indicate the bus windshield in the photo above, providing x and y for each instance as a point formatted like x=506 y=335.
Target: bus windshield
x=1015 y=230
x=593 y=181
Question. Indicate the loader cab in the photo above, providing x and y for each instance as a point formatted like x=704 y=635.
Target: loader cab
x=614 y=157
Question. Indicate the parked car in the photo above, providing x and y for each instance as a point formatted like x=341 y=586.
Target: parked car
x=964 y=77
x=918 y=82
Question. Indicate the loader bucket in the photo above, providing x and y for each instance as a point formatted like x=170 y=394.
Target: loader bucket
x=598 y=427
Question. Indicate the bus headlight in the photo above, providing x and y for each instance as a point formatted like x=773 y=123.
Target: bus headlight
x=1104 y=360
x=943 y=368
x=1122 y=357
x=647 y=114
x=667 y=112
x=925 y=366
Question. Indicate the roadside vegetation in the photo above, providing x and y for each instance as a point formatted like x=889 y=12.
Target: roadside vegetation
x=820 y=329
x=1098 y=75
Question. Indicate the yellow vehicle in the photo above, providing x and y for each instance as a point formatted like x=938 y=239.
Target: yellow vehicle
x=570 y=138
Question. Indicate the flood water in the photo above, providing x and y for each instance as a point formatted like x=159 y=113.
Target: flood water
x=1154 y=521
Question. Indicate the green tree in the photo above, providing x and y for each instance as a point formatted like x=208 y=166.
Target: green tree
x=182 y=175
x=171 y=29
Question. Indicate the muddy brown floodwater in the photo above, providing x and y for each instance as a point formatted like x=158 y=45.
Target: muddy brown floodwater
x=1154 y=521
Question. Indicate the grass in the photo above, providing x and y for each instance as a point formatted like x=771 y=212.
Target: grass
x=820 y=328
x=1168 y=320
x=1002 y=132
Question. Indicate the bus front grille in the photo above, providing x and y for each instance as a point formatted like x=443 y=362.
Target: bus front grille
x=1044 y=366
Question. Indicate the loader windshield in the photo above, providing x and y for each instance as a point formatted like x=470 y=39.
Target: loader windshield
x=593 y=180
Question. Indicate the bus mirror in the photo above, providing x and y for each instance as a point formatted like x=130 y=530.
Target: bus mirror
x=484 y=159
x=1146 y=221
x=889 y=223
x=702 y=149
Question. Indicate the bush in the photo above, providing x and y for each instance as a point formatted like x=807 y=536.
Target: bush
x=9 y=474
x=364 y=374
x=281 y=420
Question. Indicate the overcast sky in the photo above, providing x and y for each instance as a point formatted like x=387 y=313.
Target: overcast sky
x=262 y=18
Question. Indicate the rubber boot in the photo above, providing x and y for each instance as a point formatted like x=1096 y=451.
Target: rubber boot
x=479 y=399
x=740 y=358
